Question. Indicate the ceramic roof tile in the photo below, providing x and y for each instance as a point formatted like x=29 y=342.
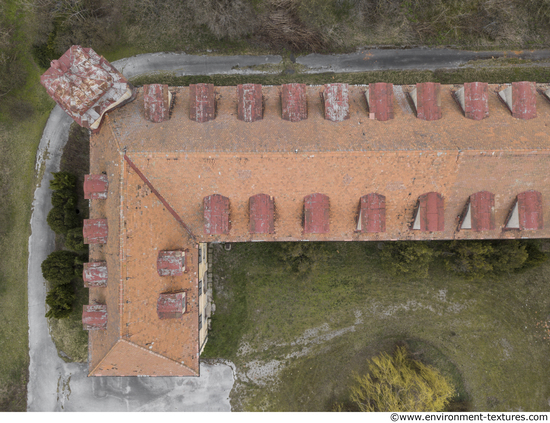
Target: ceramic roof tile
x=316 y=214
x=372 y=213
x=294 y=102
x=262 y=210
x=202 y=102
x=156 y=102
x=85 y=85
x=96 y=187
x=250 y=102
x=336 y=102
x=379 y=98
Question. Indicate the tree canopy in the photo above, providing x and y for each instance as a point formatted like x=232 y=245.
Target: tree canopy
x=400 y=383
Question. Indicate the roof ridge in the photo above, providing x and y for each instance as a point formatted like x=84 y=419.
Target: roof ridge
x=158 y=355
x=120 y=340
x=104 y=357
x=160 y=197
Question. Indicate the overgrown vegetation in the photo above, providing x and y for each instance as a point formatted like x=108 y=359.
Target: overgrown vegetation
x=471 y=259
x=298 y=337
x=67 y=333
x=136 y=26
x=398 y=383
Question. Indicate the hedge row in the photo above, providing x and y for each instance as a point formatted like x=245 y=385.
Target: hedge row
x=63 y=268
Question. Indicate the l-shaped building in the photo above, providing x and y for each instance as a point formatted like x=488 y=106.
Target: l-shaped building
x=175 y=168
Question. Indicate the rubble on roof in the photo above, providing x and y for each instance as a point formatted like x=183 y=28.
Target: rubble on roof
x=473 y=98
x=172 y=305
x=521 y=99
x=216 y=215
x=379 y=98
x=316 y=214
x=94 y=317
x=202 y=102
x=372 y=213
x=250 y=101
x=95 y=231
x=429 y=213
x=262 y=209
x=96 y=187
x=293 y=102
x=336 y=102
x=156 y=102
x=171 y=263
x=479 y=212
x=426 y=97
x=526 y=212
x=86 y=86
x=95 y=274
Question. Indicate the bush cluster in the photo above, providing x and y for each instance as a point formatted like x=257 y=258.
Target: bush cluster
x=59 y=269
x=469 y=258
x=399 y=383
x=62 y=268
x=64 y=215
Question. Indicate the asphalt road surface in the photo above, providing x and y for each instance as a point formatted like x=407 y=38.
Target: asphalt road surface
x=58 y=386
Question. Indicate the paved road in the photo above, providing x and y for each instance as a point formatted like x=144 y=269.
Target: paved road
x=415 y=58
x=188 y=64
x=56 y=385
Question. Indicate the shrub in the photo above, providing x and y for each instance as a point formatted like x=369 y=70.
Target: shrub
x=60 y=300
x=480 y=259
x=56 y=220
x=399 y=383
x=407 y=258
x=225 y=18
x=75 y=241
x=299 y=256
x=71 y=219
x=60 y=197
x=59 y=267
x=63 y=181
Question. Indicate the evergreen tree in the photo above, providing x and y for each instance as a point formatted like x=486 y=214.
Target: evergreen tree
x=58 y=268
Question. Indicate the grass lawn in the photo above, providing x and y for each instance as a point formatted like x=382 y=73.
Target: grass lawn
x=296 y=337
x=18 y=143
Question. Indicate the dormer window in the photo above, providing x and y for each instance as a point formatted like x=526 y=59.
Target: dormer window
x=426 y=98
x=526 y=212
x=479 y=212
x=429 y=213
x=171 y=263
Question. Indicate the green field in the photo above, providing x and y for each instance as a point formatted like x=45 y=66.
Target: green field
x=296 y=337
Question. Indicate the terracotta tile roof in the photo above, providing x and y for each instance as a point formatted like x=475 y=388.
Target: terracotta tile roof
x=398 y=159
x=379 y=98
x=216 y=214
x=250 y=102
x=96 y=187
x=293 y=102
x=262 y=209
x=400 y=176
x=521 y=99
x=85 y=85
x=129 y=359
x=95 y=274
x=336 y=102
x=427 y=100
x=372 y=213
x=202 y=102
x=316 y=214
x=315 y=134
x=94 y=317
x=156 y=102
x=95 y=231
